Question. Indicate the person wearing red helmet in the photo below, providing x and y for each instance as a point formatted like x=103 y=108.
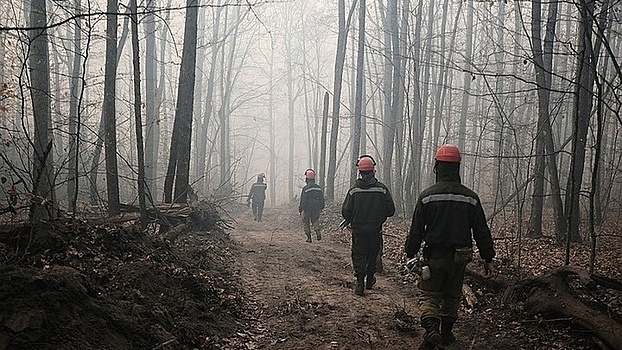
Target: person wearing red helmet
x=366 y=207
x=311 y=204
x=448 y=216
x=257 y=195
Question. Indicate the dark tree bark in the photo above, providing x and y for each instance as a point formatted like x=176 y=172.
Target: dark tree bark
x=553 y=294
x=43 y=205
x=545 y=149
x=109 y=110
x=586 y=60
x=323 y=140
x=358 y=99
x=74 y=114
x=337 y=84
x=137 y=116
x=152 y=124
x=201 y=142
x=179 y=157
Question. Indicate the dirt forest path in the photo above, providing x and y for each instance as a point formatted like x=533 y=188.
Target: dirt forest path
x=304 y=291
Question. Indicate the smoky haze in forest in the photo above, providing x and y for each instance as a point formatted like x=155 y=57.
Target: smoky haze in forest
x=526 y=90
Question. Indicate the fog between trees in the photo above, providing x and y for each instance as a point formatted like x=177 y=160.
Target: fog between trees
x=528 y=90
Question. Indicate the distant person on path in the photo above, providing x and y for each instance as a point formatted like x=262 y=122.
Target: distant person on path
x=447 y=217
x=257 y=196
x=311 y=204
x=366 y=207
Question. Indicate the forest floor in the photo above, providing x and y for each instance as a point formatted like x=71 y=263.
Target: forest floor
x=257 y=285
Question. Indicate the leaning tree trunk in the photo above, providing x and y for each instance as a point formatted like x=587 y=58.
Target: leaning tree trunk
x=179 y=158
x=342 y=39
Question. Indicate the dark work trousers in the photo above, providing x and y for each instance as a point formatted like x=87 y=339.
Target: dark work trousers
x=365 y=248
x=257 y=209
x=442 y=292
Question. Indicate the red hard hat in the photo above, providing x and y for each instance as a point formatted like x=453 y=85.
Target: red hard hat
x=366 y=163
x=448 y=153
x=310 y=174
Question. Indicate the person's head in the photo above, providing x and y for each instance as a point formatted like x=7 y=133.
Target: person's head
x=448 y=160
x=366 y=165
x=261 y=177
x=309 y=175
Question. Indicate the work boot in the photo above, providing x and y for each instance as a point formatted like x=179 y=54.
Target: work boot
x=319 y=236
x=447 y=336
x=308 y=237
x=359 y=289
x=370 y=282
x=432 y=337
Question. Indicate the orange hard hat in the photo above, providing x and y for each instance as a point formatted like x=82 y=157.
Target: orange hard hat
x=310 y=174
x=366 y=163
x=448 y=153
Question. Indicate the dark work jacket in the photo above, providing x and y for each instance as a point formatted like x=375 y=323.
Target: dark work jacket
x=258 y=192
x=311 y=198
x=367 y=205
x=448 y=215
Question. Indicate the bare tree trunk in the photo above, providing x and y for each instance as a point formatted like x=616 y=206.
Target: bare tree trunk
x=225 y=108
x=323 y=140
x=152 y=125
x=42 y=177
x=138 y=117
x=582 y=110
x=201 y=142
x=468 y=77
x=339 y=64
x=291 y=101
x=273 y=155
x=95 y=196
x=543 y=66
x=358 y=100
x=179 y=159
x=109 y=111
x=74 y=115
x=390 y=74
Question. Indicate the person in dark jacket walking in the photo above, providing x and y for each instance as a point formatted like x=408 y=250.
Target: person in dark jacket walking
x=447 y=217
x=366 y=207
x=257 y=196
x=311 y=203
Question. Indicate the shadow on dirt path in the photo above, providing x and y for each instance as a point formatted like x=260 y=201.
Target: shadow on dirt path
x=305 y=291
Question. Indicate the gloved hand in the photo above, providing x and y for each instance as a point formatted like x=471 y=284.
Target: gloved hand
x=489 y=269
x=248 y=204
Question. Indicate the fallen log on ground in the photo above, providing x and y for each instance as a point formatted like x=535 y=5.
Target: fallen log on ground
x=561 y=292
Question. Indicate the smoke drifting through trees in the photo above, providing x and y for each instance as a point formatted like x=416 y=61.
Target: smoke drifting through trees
x=515 y=85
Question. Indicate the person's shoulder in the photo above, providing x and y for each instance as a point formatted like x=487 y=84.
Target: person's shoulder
x=380 y=184
x=467 y=191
